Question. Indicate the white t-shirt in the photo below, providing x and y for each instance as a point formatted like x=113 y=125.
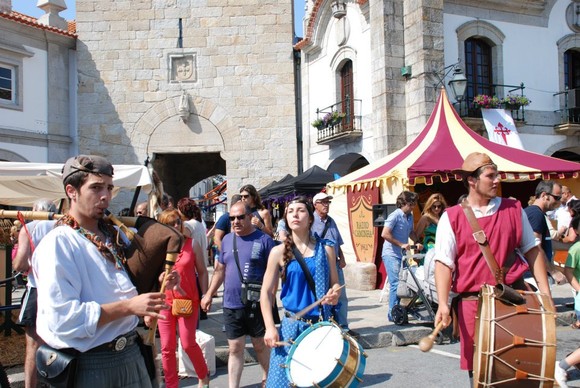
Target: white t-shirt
x=198 y=234
x=37 y=230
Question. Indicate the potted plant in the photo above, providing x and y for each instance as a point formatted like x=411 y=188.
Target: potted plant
x=318 y=124
x=337 y=117
x=483 y=101
x=515 y=102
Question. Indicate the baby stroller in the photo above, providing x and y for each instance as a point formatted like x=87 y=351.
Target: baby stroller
x=414 y=301
x=417 y=288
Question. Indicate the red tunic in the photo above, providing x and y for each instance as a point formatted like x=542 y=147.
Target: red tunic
x=503 y=230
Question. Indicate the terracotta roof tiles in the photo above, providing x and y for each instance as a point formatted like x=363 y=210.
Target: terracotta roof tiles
x=33 y=22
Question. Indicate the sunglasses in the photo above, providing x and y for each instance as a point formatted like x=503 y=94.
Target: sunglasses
x=245 y=195
x=325 y=202
x=239 y=218
x=556 y=197
x=437 y=206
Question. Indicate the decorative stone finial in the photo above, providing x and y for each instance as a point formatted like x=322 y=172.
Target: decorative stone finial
x=51 y=17
x=6 y=6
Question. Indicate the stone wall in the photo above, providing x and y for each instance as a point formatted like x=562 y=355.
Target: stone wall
x=231 y=61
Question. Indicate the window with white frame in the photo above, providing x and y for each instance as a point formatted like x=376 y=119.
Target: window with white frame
x=12 y=59
x=7 y=84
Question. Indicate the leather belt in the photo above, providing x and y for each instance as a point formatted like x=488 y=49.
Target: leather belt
x=118 y=344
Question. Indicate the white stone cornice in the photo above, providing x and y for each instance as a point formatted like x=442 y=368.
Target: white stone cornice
x=530 y=7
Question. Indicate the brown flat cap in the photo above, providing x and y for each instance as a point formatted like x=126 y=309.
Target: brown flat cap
x=475 y=160
x=88 y=163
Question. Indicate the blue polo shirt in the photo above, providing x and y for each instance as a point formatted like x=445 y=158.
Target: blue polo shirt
x=401 y=226
x=332 y=234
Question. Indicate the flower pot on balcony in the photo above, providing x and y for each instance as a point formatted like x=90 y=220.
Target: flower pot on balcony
x=512 y=106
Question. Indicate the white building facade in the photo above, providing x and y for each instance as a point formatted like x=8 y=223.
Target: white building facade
x=380 y=63
x=37 y=85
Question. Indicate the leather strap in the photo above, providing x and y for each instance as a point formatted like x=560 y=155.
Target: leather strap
x=237 y=258
x=481 y=239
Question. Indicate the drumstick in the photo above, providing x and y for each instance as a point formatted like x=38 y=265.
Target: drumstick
x=170 y=260
x=426 y=343
x=305 y=310
x=282 y=343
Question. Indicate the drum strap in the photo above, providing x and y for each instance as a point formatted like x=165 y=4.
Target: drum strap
x=481 y=239
x=502 y=291
x=307 y=273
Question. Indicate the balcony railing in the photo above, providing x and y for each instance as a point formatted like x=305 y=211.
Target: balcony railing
x=339 y=121
x=569 y=114
x=570 y=103
x=466 y=108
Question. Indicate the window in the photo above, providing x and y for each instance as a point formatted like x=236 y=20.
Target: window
x=478 y=68
x=347 y=93
x=7 y=84
x=572 y=69
x=480 y=44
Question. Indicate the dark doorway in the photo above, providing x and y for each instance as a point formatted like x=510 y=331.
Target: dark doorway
x=179 y=172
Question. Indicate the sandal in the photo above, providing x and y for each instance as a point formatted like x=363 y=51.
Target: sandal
x=575 y=325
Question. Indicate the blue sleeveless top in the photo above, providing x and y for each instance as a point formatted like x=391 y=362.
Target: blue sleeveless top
x=296 y=294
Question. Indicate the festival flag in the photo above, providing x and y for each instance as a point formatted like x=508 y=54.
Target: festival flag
x=501 y=128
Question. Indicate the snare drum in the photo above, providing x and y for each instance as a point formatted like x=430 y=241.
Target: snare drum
x=325 y=356
x=515 y=345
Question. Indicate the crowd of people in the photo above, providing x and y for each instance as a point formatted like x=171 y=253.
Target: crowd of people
x=85 y=304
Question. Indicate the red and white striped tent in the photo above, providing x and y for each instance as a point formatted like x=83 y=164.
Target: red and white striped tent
x=439 y=149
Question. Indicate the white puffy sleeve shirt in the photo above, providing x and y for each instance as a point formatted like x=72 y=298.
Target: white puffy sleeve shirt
x=446 y=245
x=73 y=281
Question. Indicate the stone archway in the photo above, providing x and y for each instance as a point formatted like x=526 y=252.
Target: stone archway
x=189 y=149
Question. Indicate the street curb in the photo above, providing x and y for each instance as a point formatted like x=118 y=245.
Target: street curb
x=399 y=336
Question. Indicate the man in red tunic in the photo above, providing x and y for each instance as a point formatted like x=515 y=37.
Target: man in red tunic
x=460 y=265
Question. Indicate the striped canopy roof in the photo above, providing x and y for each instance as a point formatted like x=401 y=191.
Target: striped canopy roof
x=442 y=146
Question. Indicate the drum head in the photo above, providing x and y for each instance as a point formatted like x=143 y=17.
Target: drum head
x=314 y=355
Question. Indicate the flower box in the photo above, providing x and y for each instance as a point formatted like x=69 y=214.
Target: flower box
x=513 y=102
x=329 y=120
x=483 y=101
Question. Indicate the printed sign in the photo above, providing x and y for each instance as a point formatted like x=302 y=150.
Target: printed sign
x=360 y=216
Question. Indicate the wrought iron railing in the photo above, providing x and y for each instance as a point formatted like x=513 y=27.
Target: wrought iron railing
x=339 y=120
x=467 y=108
x=569 y=100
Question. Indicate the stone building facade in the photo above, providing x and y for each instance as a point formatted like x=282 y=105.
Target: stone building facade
x=198 y=88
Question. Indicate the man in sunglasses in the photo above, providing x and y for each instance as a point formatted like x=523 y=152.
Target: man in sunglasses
x=241 y=267
x=548 y=197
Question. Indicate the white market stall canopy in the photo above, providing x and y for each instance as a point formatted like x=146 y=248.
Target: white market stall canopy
x=23 y=183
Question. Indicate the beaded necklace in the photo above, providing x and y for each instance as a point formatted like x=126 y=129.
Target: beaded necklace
x=110 y=249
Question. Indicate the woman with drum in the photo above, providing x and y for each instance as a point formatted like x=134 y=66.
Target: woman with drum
x=296 y=294
x=427 y=225
x=189 y=263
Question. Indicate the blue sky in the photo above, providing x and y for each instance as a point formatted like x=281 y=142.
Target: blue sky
x=28 y=7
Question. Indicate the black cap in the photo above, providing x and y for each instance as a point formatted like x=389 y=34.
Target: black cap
x=88 y=163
